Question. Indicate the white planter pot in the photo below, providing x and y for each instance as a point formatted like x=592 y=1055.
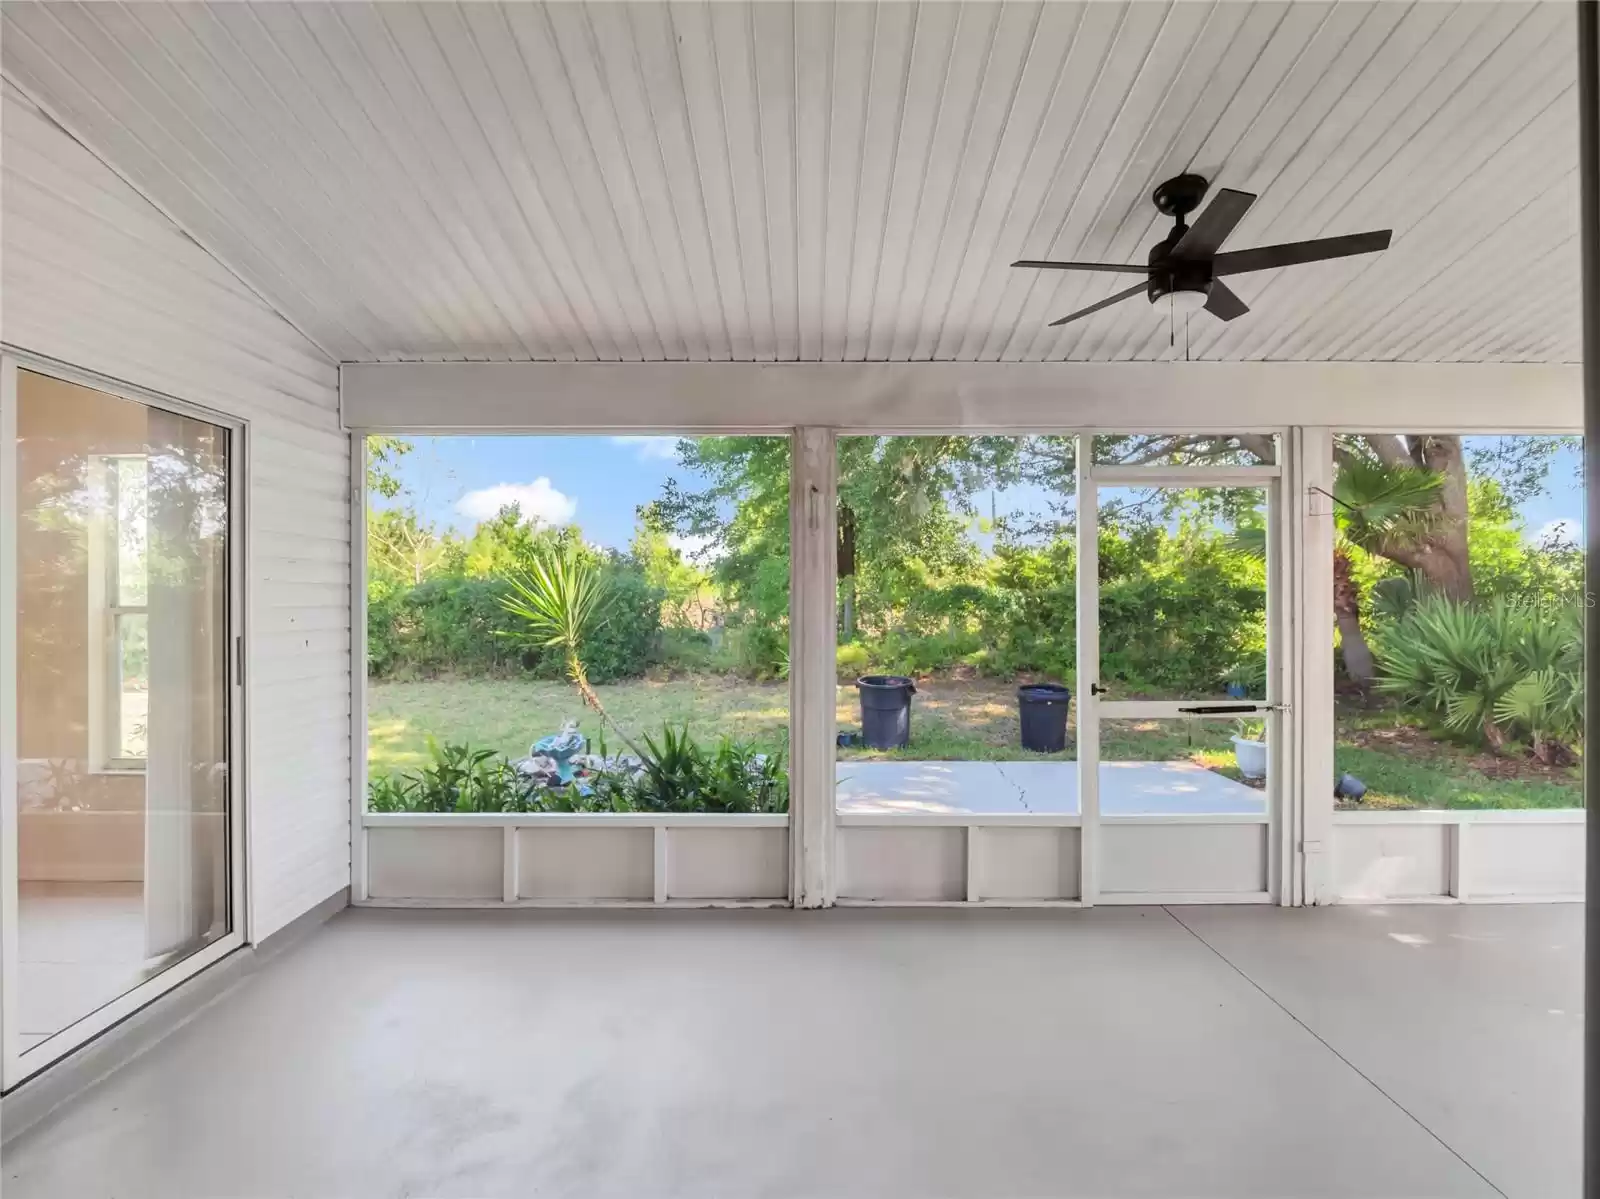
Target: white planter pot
x=1251 y=757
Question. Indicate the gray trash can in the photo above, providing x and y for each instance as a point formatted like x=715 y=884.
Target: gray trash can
x=1043 y=708
x=885 y=710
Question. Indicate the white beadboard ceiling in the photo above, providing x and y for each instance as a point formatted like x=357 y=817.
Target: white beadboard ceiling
x=823 y=182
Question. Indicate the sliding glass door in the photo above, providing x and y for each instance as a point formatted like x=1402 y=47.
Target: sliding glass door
x=119 y=639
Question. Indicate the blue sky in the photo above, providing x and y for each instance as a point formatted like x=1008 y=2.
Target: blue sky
x=599 y=482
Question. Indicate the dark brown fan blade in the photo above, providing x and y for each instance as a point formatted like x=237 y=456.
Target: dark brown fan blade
x=1120 y=296
x=1211 y=227
x=1222 y=303
x=1264 y=258
x=1083 y=266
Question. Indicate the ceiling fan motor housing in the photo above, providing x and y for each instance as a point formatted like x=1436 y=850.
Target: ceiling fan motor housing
x=1169 y=273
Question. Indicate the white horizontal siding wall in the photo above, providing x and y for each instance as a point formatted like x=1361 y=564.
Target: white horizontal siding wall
x=95 y=276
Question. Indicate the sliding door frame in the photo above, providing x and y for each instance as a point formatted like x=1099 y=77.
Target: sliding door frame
x=17 y=1065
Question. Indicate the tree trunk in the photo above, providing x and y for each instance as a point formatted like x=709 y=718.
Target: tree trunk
x=1445 y=564
x=845 y=563
x=1353 y=648
x=1441 y=556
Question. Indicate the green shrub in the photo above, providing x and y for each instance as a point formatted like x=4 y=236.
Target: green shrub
x=757 y=651
x=456 y=625
x=679 y=775
x=623 y=645
x=447 y=625
x=852 y=660
x=1489 y=673
x=457 y=778
x=689 y=650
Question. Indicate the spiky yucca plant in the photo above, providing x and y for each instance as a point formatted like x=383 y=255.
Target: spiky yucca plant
x=563 y=598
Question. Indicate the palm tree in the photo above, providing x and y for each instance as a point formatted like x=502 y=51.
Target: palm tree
x=564 y=598
x=1378 y=509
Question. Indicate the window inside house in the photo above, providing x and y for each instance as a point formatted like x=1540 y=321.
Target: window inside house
x=119 y=621
x=1458 y=608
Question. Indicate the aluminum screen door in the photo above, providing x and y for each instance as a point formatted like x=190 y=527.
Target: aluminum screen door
x=1181 y=722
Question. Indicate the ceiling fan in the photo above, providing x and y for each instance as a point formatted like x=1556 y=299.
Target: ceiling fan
x=1186 y=265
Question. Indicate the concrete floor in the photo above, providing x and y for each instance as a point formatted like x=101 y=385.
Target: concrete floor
x=1417 y=1051
x=79 y=946
x=1126 y=788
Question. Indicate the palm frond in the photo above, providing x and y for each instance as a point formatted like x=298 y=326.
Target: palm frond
x=1376 y=503
x=562 y=598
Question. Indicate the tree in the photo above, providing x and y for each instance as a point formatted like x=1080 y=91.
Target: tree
x=1435 y=549
x=507 y=542
x=563 y=597
x=1376 y=508
x=401 y=546
x=684 y=585
x=383 y=457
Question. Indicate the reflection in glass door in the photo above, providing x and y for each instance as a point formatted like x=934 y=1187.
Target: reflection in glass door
x=1180 y=674
x=121 y=746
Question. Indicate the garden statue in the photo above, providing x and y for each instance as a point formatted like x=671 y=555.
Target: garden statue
x=560 y=748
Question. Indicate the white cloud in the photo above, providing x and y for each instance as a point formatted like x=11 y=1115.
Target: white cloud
x=1565 y=530
x=658 y=449
x=696 y=547
x=538 y=500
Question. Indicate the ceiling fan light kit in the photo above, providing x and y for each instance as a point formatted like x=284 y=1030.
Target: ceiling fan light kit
x=1188 y=263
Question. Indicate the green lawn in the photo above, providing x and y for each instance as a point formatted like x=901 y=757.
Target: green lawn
x=510 y=716
x=951 y=719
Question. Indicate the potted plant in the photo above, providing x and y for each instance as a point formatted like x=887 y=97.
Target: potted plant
x=1250 y=748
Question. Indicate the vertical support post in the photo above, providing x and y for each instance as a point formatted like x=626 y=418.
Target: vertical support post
x=1589 y=231
x=1088 y=675
x=813 y=590
x=10 y=493
x=659 y=868
x=1310 y=785
x=358 y=666
x=1460 y=862
x=974 y=887
x=510 y=863
x=1283 y=874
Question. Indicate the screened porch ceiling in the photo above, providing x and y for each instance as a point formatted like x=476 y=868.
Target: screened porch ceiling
x=817 y=182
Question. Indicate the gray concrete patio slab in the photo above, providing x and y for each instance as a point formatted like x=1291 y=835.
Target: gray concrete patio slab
x=1110 y=1052
x=1126 y=788
x=1469 y=1018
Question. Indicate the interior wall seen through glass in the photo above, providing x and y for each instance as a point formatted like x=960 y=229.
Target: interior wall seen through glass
x=122 y=630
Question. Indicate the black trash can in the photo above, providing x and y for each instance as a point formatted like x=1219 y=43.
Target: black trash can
x=885 y=710
x=1043 y=707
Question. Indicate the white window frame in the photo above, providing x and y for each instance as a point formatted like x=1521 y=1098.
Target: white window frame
x=105 y=617
x=1302 y=401
x=18 y=1065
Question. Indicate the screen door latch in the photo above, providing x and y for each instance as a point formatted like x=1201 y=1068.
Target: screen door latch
x=1231 y=709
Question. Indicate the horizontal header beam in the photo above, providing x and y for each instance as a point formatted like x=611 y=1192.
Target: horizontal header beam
x=672 y=397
